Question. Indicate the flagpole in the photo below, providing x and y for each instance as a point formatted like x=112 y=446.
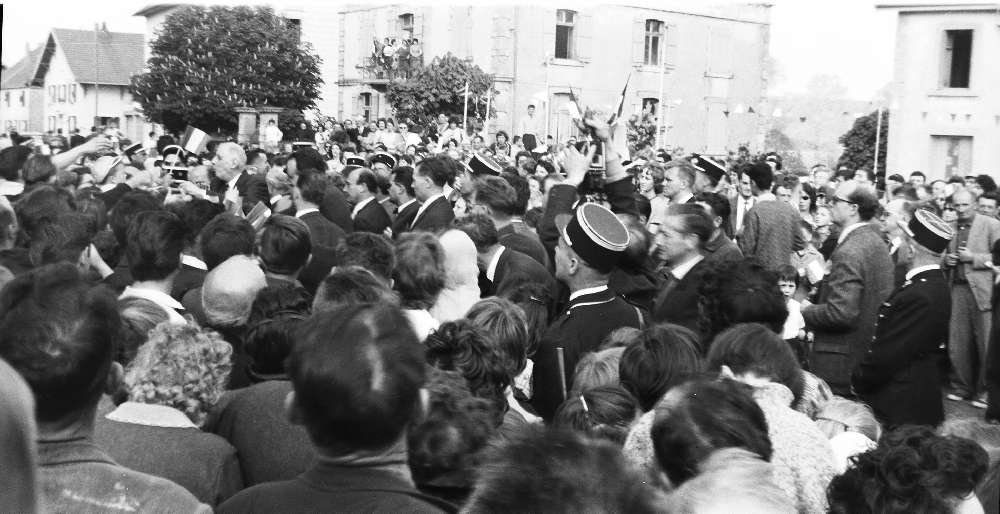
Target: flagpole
x=547 y=109
x=486 y=126
x=465 y=115
x=659 y=104
x=878 y=138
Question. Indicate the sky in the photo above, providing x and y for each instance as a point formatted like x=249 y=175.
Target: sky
x=847 y=38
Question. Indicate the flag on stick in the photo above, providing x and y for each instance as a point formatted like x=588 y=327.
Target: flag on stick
x=621 y=104
x=465 y=114
x=572 y=107
x=194 y=140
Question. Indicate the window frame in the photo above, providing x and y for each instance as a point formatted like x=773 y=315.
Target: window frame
x=947 y=71
x=407 y=24
x=649 y=48
x=571 y=28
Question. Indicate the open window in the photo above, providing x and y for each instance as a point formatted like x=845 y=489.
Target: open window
x=565 y=34
x=956 y=62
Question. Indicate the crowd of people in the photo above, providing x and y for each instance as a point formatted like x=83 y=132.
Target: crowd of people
x=380 y=320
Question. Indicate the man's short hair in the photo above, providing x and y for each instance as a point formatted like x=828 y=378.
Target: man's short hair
x=657 y=360
x=275 y=314
x=558 y=471
x=439 y=168
x=312 y=185
x=285 y=245
x=12 y=159
x=506 y=322
x=686 y=171
x=754 y=348
x=367 y=178
x=308 y=158
x=986 y=183
x=60 y=334
x=418 y=275
x=760 y=174
x=403 y=175
x=373 y=252
x=195 y=215
x=368 y=358
x=906 y=191
x=917 y=174
x=254 y=156
x=866 y=198
x=480 y=230
x=522 y=192
x=497 y=194
x=990 y=195
x=348 y=285
x=643 y=205
x=155 y=244
x=694 y=220
x=225 y=236
x=130 y=205
x=719 y=204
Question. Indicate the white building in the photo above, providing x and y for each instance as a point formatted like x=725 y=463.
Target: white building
x=22 y=95
x=946 y=84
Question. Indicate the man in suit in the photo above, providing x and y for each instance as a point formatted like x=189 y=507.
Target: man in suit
x=971 y=281
x=76 y=139
x=494 y=197
x=402 y=194
x=232 y=184
x=501 y=269
x=368 y=215
x=678 y=179
x=683 y=233
x=860 y=279
x=195 y=215
x=435 y=212
x=898 y=377
x=589 y=246
x=771 y=229
x=718 y=247
x=740 y=205
x=310 y=187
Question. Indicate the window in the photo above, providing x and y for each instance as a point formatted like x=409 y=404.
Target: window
x=22 y=98
x=295 y=22
x=950 y=156
x=6 y=98
x=650 y=106
x=52 y=94
x=406 y=25
x=52 y=122
x=565 y=32
x=366 y=106
x=957 y=61
x=654 y=32
x=72 y=93
x=71 y=123
x=62 y=94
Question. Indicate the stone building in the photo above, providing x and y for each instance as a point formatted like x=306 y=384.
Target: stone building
x=945 y=117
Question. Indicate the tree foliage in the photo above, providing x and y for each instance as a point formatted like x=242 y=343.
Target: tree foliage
x=641 y=132
x=207 y=61
x=791 y=161
x=439 y=88
x=859 y=143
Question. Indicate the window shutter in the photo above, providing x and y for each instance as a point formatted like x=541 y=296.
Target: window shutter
x=670 y=53
x=638 y=41
x=585 y=41
x=355 y=106
x=418 y=24
x=366 y=30
x=549 y=32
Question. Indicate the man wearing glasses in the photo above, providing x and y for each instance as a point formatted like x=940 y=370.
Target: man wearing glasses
x=860 y=279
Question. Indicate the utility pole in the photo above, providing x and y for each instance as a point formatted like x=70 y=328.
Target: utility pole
x=97 y=115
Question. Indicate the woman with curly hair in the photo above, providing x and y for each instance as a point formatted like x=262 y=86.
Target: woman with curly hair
x=651 y=186
x=176 y=378
x=912 y=471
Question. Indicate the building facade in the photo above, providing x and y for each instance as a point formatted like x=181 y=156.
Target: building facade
x=946 y=85
x=711 y=63
x=22 y=96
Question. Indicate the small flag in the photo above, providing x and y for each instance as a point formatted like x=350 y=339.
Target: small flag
x=541 y=97
x=621 y=103
x=572 y=107
x=776 y=113
x=750 y=110
x=738 y=109
x=194 y=140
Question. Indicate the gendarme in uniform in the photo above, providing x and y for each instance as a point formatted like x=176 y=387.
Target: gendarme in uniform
x=594 y=238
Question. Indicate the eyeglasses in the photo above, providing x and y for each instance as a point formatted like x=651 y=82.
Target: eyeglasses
x=837 y=199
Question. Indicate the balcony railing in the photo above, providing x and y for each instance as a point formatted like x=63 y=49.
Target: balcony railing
x=394 y=70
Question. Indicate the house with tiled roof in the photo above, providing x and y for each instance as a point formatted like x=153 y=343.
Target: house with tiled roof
x=19 y=92
x=84 y=77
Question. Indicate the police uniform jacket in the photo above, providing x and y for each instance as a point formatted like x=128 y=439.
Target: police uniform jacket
x=580 y=329
x=898 y=377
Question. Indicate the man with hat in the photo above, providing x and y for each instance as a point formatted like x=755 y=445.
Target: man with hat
x=898 y=377
x=708 y=174
x=136 y=155
x=382 y=164
x=590 y=244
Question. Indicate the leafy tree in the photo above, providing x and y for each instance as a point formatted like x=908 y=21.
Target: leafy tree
x=207 y=61
x=859 y=143
x=791 y=162
x=439 y=88
x=641 y=132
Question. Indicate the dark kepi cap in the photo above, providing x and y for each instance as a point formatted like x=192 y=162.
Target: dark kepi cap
x=484 y=165
x=133 y=149
x=708 y=167
x=929 y=231
x=384 y=158
x=597 y=236
x=173 y=150
x=355 y=161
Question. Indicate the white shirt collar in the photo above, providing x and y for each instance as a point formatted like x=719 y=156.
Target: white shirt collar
x=767 y=196
x=164 y=300
x=682 y=270
x=232 y=183
x=684 y=198
x=401 y=207
x=194 y=262
x=920 y=269
x=275 y=198
x=423 y=206
x=894 y=244
x=491 y=270
x=589 y=290
x=361 y=205
x=303 y=212
x=848 y=230
x=150 y=415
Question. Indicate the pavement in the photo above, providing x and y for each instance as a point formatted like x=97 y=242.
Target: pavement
x=960 y=410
